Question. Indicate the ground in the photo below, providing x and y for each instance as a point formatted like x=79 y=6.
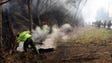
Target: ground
x=79 y=53
x=92 y=45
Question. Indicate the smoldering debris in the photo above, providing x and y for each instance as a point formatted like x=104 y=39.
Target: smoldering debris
x=59 y=34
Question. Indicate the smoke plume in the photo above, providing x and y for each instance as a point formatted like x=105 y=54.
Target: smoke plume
x=57 y=35
x=49 y=40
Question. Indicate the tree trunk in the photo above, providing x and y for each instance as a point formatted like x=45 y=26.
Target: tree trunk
x=30 y=14
x=8 y=37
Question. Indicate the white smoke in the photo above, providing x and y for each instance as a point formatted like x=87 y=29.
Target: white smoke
x=49 y=40
x=40 y=34
x=57 y=35
x=65 y=30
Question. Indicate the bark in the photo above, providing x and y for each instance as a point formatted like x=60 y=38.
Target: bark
x=8 y=37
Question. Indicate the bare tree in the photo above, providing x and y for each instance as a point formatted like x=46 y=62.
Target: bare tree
x=8 y=37
x=16 y=12
x=104 y=24
x=30 y=15
x=109 y=24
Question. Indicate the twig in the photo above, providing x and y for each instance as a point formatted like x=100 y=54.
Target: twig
x=26 y=19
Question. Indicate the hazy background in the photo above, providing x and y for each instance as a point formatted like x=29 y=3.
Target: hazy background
x=94 y=9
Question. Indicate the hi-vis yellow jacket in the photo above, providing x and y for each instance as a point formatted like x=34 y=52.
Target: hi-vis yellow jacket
x=23 y=36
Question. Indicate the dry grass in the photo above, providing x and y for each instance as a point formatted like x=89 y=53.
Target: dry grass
x=92 y=35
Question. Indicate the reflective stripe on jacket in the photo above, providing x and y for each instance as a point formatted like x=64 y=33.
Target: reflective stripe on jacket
x=23 y=36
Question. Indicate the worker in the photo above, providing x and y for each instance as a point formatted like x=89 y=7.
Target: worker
x=25 y=37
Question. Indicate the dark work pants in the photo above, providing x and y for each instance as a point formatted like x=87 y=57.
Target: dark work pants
x=29 y=42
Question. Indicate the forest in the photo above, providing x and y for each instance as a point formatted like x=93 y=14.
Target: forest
x=65 y=38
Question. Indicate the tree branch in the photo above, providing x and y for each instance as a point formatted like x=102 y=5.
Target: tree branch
x=1 y=3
